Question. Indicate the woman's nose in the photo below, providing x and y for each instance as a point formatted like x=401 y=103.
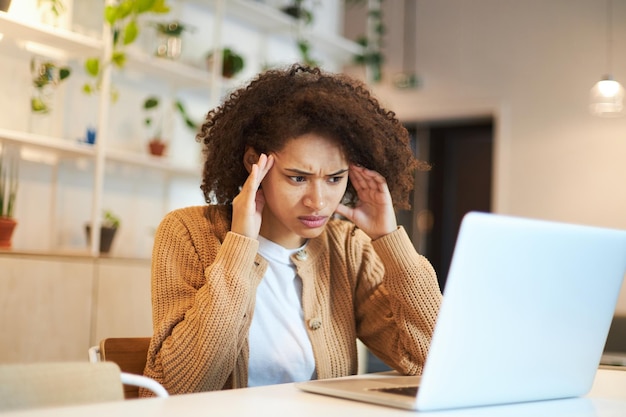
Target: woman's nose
x=315 y=198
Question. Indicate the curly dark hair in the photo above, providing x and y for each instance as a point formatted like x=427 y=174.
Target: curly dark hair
x=282 y=104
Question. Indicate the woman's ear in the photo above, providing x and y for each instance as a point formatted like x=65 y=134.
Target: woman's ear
x=250 y=157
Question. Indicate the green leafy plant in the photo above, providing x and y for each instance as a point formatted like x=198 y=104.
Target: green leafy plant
x=46 y=75
x=297 y=10
x=122 y=18
x=156 y=144
x=56 y=7
x=183 y=113
x=304 y=16
x=109 y=224
x=152 y=103
x=110 y=220
x=174 y=28
x=305 y=53
x=8 y=183
x=169 y=36
x=232 y=62
x=372 y=57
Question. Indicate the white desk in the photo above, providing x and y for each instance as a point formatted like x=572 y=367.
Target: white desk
x=606 y=399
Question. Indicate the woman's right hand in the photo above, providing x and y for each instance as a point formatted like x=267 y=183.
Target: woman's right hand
x=248 y=204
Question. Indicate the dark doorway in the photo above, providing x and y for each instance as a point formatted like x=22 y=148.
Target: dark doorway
x=460 y=180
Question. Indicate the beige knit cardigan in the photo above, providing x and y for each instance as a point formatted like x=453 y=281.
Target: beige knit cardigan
x=204 y=281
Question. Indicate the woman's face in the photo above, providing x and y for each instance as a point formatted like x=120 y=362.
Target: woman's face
x=303 y=189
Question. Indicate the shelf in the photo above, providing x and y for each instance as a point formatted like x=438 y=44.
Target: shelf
x=269 y=19
x=339 y=48
x=161 y=164
x=62 y=147
x=71 y=43
x=67 y=148
x=178 y=74
x=69 y=254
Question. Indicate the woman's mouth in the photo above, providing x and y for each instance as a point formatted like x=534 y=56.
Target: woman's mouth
x=313 y=221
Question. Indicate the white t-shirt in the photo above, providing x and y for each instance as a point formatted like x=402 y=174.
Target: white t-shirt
x=280 y=349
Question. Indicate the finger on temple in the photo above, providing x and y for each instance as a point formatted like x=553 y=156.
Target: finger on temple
x=358 y=182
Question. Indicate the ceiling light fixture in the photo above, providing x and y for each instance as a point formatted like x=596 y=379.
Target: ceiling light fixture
x=607 y=95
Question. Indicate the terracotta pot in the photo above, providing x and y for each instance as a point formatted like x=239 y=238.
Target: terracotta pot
x=106 y=237
x=7 y=226
x=157 y=148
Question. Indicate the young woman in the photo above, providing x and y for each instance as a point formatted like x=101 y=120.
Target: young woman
x=297 y=252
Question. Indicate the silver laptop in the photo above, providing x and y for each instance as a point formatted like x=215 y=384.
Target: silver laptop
x=525 y=315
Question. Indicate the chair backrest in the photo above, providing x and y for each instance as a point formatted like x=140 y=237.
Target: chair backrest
x=45 y=384
x=130 y=354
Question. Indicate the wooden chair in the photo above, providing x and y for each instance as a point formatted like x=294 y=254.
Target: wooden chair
x=48 y=384
x=130 y=354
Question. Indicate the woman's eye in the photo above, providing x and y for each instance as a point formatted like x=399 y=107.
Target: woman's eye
x=336 y=179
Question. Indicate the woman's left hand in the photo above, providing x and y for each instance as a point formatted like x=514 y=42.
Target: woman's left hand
x=374 y=213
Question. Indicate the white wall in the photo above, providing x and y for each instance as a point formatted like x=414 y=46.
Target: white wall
x=531 y=64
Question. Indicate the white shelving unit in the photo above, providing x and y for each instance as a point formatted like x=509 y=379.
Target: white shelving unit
x=178 y=75
x=63 y=148
x=64 y=40
x=21 y=37
x=266 y=18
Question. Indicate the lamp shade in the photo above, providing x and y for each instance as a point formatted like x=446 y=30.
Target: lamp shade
x=607 y=98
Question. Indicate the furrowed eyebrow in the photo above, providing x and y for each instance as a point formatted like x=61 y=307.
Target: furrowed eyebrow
x=341 y=171
x=300 y=172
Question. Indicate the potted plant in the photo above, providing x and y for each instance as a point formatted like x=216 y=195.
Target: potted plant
x=46 y=76
x=122 y=17
x=297 y=10
x=51 y=10
x=170 y=42
x=232 y=62
x=304 y=16
x=372 y=43
x=8 y=194
x=108 y=227
x=156 y=144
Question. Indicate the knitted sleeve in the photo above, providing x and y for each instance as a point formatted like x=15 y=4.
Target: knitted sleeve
x=202 y=298
x=397 y=302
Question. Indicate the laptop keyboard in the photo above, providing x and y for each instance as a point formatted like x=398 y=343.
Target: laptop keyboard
x=408 y=391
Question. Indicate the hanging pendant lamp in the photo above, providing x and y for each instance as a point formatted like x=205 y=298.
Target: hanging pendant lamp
x=607 y=98
x=607 y=95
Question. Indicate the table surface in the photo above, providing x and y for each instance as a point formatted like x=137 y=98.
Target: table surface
x=607 y=398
